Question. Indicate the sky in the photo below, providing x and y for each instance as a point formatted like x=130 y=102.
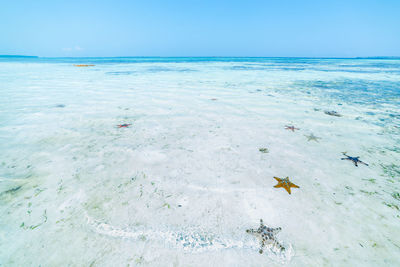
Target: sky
x=271 y=28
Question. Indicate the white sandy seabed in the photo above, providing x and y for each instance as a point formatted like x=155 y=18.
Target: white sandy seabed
x=181 y=185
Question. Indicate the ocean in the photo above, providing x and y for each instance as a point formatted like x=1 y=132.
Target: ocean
x=168 y=161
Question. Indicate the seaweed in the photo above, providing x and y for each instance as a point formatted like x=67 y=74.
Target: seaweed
x=396 y=195
x=38 y=191
x=370 y=180
x=368 y=193
x=332 y=113
x=13 y=190
x=60 y=186
x=32 y=227
x=391 y=170
x=391 y=205
x=139 y=260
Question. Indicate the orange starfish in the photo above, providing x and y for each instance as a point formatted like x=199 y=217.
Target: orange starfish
x=285 y=183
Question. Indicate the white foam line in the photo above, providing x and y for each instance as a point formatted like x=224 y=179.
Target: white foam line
x=192 y=241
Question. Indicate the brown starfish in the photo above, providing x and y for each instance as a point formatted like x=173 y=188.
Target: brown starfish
x=287 y=127
x=285 y=183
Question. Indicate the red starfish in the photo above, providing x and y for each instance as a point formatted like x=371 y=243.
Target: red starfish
x=125 y=125
x=291 y=128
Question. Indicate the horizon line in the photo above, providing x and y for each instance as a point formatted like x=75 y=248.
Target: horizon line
x=309 y=57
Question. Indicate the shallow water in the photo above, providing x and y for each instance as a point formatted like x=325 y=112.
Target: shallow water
x=181 y=185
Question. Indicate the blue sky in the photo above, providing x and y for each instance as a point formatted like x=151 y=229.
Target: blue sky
x=200 y=28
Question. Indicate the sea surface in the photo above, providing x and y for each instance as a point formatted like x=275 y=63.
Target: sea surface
x=195 y=167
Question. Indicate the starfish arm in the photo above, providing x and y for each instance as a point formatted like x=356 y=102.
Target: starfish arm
x=288 y=189
x=261 y=223
x=364 y=163
x=355 y=163
x=278 y=245
x=278 y=185
x=293 y=185
x=276 y=230
x=277 y=178
x=251 y=231
x=262 y=244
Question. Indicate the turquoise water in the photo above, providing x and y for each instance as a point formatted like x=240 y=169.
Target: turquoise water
x=181 y=184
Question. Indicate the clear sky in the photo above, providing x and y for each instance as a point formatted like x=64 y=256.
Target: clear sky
x=323 y=28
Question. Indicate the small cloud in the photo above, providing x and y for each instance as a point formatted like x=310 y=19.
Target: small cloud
x=75 y=48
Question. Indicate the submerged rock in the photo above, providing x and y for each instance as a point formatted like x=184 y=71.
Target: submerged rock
x=332 y=113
